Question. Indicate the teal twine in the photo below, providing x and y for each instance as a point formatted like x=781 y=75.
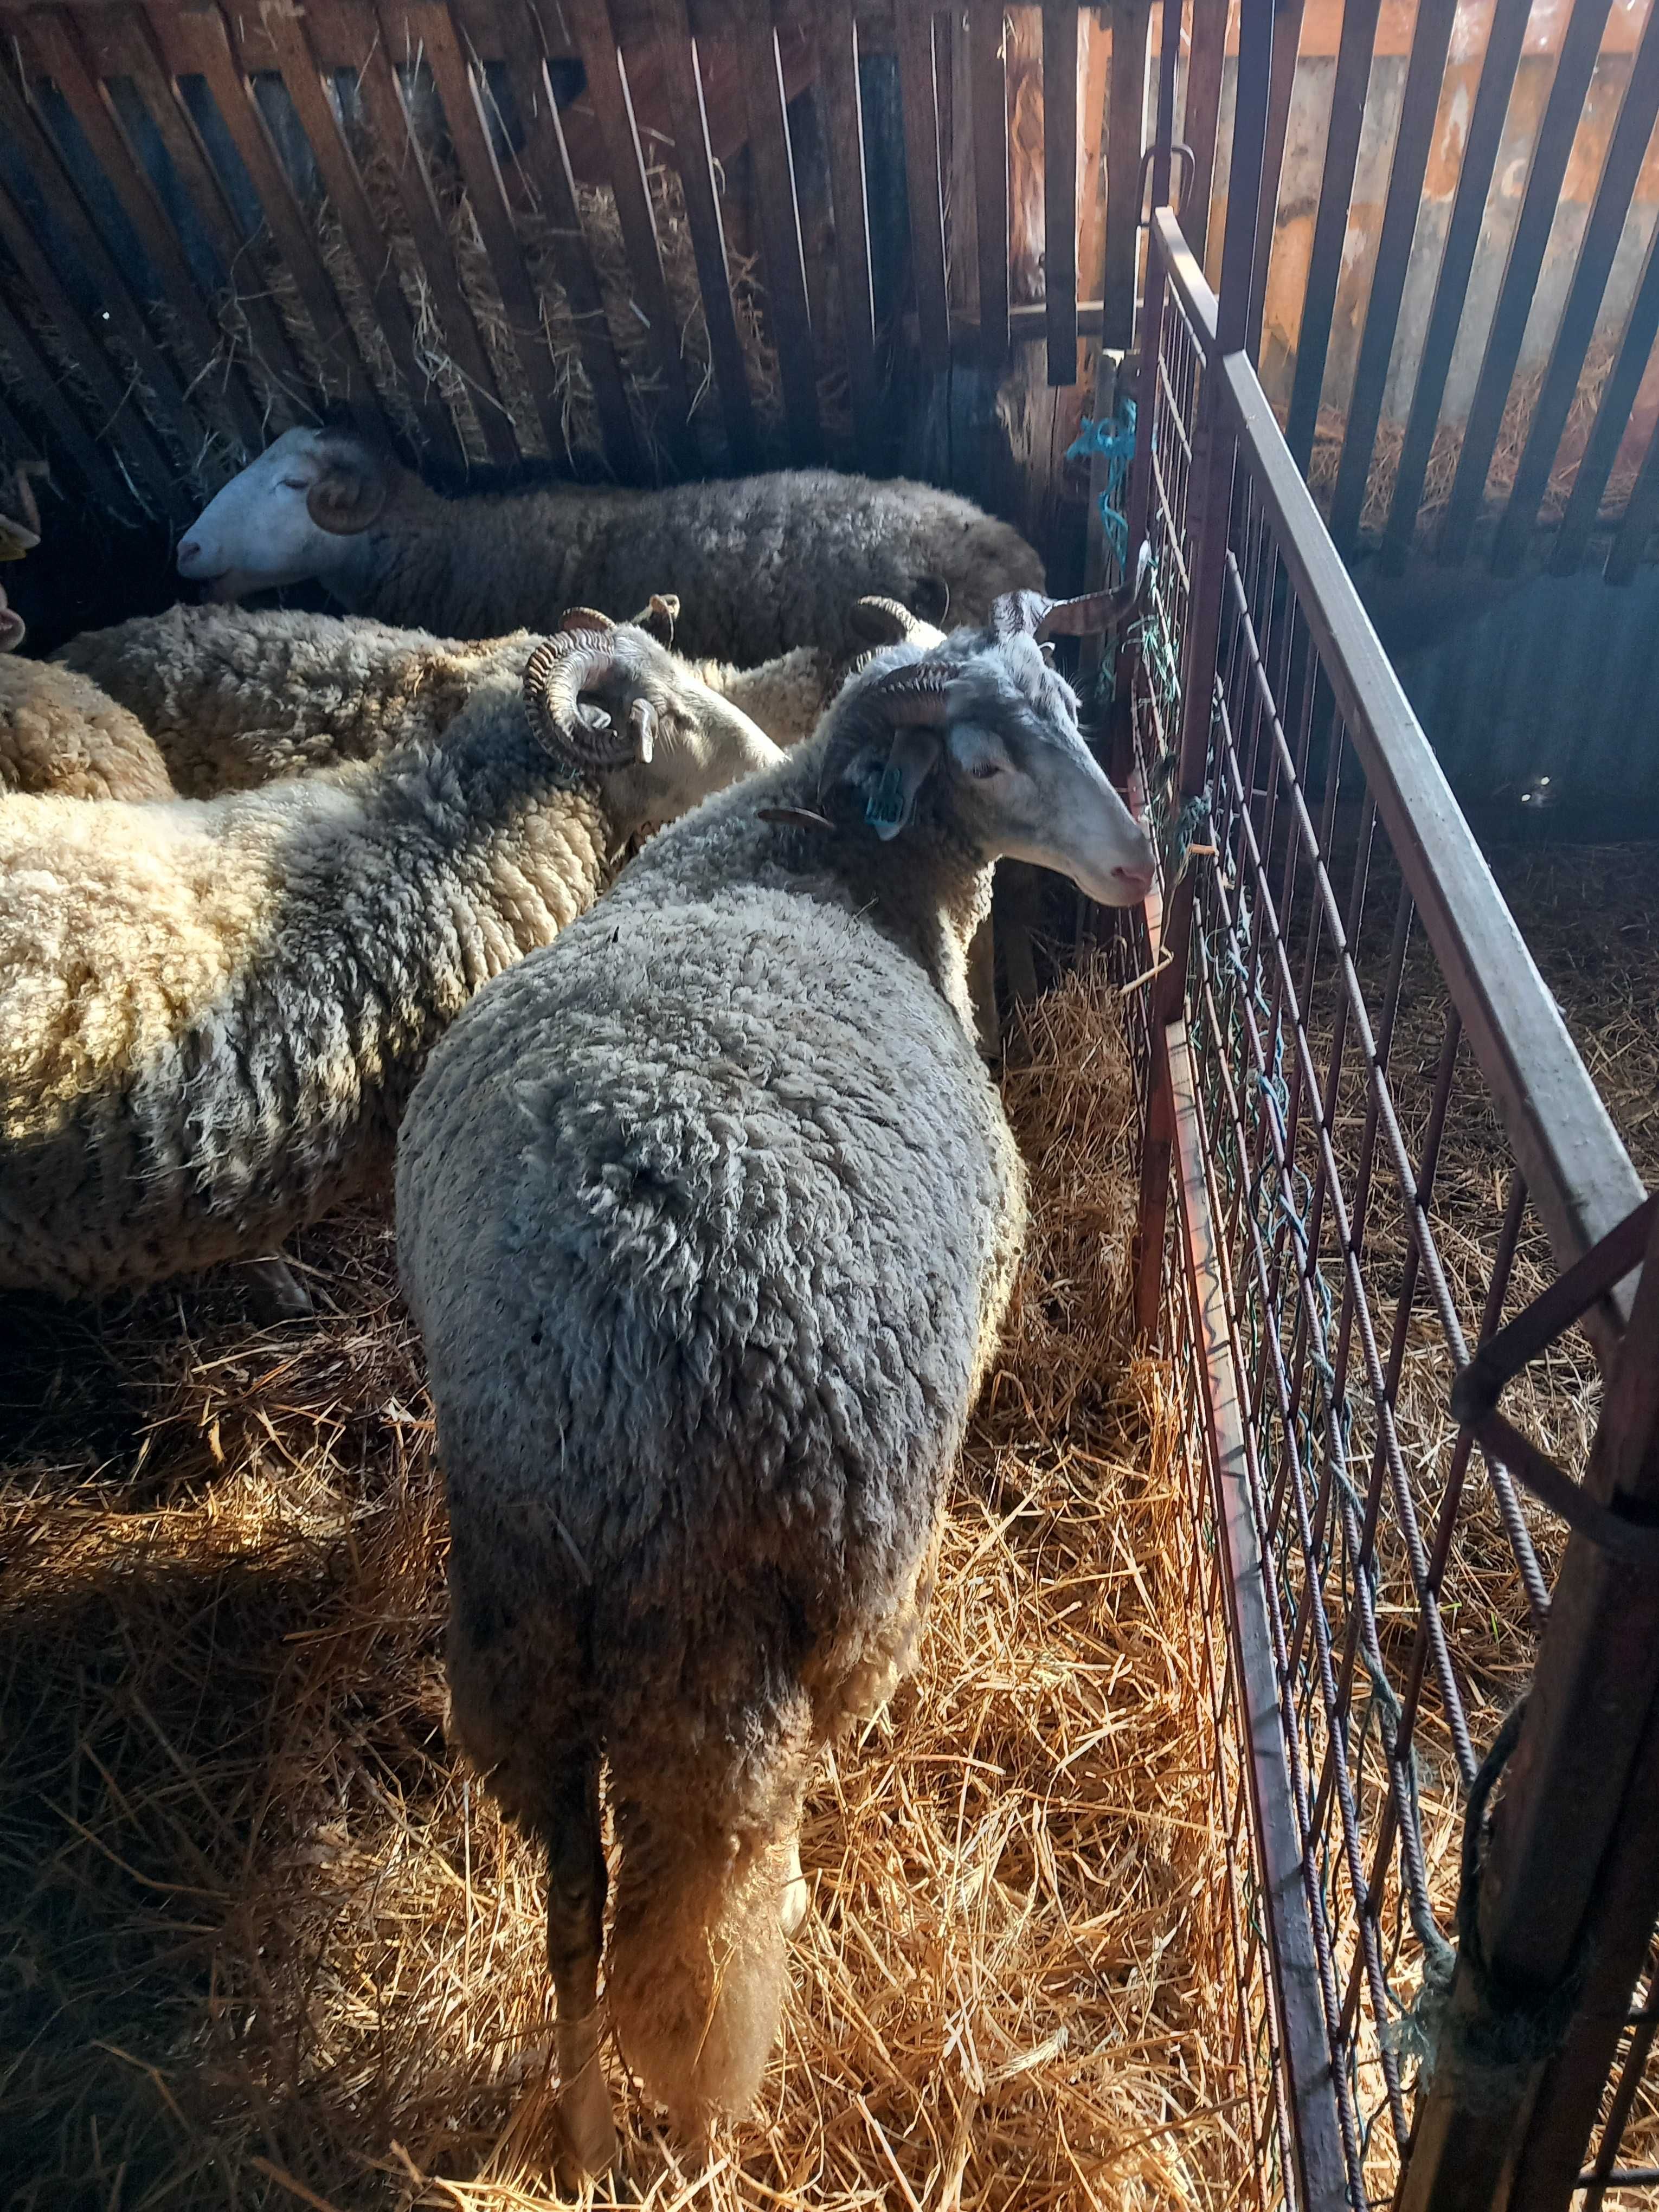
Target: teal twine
x=1114 y=439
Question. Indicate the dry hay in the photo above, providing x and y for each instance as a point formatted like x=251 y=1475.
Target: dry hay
x=1448 y=445
x=267 y=1944
x=580 y=442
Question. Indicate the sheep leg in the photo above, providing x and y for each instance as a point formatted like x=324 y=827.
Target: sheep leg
x=576 y=1884
x=792 y=1908
x=277 y=1292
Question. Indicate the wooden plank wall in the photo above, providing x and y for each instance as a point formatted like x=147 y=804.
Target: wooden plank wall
x=611 y=237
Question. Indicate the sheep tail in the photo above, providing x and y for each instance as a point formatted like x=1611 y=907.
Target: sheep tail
x=698 y=1964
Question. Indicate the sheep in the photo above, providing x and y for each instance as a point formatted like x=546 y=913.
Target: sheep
x=709 y=1214
x=231 y=699
x=60 y=733
x=212 y=1012
x=763 y=563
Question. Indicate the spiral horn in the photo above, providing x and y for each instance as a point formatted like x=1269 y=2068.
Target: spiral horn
x=554 y=677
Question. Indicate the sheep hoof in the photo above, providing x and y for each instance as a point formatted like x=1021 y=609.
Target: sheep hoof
x=792 y=1910
x=585 y=2118
x=278 y=1293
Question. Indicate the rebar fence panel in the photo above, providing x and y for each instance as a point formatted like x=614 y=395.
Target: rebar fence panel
x=1372 y=1152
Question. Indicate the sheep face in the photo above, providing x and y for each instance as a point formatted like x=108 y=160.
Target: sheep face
x=609 y=698
x=988 y=743
x=290 y=516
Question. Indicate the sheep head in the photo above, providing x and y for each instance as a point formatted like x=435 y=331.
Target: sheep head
x=982 y=736
x=608 y=697
x=290 y=515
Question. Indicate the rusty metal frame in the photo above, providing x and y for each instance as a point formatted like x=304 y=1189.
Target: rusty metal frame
x=1284 y=703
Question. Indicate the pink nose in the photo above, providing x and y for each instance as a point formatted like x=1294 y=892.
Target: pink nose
x=1137 y=880
x=189 y=553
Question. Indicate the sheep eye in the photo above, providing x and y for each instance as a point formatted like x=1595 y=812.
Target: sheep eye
x=295 y=483
x=982 y=771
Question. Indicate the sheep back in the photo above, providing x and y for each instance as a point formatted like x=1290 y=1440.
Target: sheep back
x=60 y=731
x=709 y=1215
x=233 y=700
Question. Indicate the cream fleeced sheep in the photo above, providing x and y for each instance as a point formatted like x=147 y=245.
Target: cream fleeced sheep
x=709 y=1215
x=763 y=564
x=211 y=1012
x=60 y=733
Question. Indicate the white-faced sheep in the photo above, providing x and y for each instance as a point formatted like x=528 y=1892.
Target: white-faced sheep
x=709 y=1215
x=761 y=563
x=212 y=1012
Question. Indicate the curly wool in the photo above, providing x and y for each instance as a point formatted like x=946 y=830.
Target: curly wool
x=232 y=700
x=762 y=564
x=61 y=733
x=709 y=1215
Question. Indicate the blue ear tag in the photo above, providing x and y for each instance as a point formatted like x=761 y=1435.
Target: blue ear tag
x=884 y=810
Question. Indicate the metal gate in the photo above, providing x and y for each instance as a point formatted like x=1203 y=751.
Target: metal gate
x=1379 y=1186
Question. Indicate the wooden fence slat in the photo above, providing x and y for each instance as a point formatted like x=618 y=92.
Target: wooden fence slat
x=919 y=98
x=1201 y=116
x=1625 y=153
x=1581 y=43
x=124 y=421
x=42 y=387
x=198 y=36
x=779 y=221
x=838 y=52
x=1430 y=41
x=545 y=161
x=430 y=24
x=1612 y=418
x=59 y=57
x=129 y=40
x=683 y=82
x=1126 y=122
x=989 y=81
x=1060 y=34
x=121 y=310
x=20 y=444
x=1091 y=212
x=1347 y=117
x=389 y=123
x=1641 y=512
x=1287 y=38
x=1492 y=102
x=607 y=89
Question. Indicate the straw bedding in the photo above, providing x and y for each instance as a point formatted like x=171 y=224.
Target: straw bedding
x=265 y=1942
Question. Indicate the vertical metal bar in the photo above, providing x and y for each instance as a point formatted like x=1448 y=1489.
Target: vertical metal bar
x=694 y=157
x=918 y=95
x=1200 y=116
x=990 y=102
x=1544 y=1895
x=1612 y=416
x=1347 y=117
x=780 y=223
x=1581 y=43
x=838 y=52
x=1287 y=38
x=613 y=106
x=1430 y=41
x=1059 y=187
x=1625 y=153
x=1451 y=288
x=1126 y=120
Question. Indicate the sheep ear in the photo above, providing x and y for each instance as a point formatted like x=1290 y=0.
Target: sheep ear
x=16 y=539
x=350 y=493
x=911 y=759
x=929 y=600
x=12 y=631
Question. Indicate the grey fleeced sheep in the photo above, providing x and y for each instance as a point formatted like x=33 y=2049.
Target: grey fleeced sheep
x=761 y=563
x=709 y=1215
x=212 y=1012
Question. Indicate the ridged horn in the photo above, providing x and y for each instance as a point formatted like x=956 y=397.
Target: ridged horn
x=1028 y=614
x=913 y=695
x=879 y=620
x=554 y=677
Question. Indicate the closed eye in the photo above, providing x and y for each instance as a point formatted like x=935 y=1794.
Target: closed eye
x=295 y=483
x=982 y=771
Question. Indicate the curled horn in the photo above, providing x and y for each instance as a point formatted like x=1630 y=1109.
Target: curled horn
x=914 y=694
x=879 y=620
x=658 y=619
x=561 y=666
